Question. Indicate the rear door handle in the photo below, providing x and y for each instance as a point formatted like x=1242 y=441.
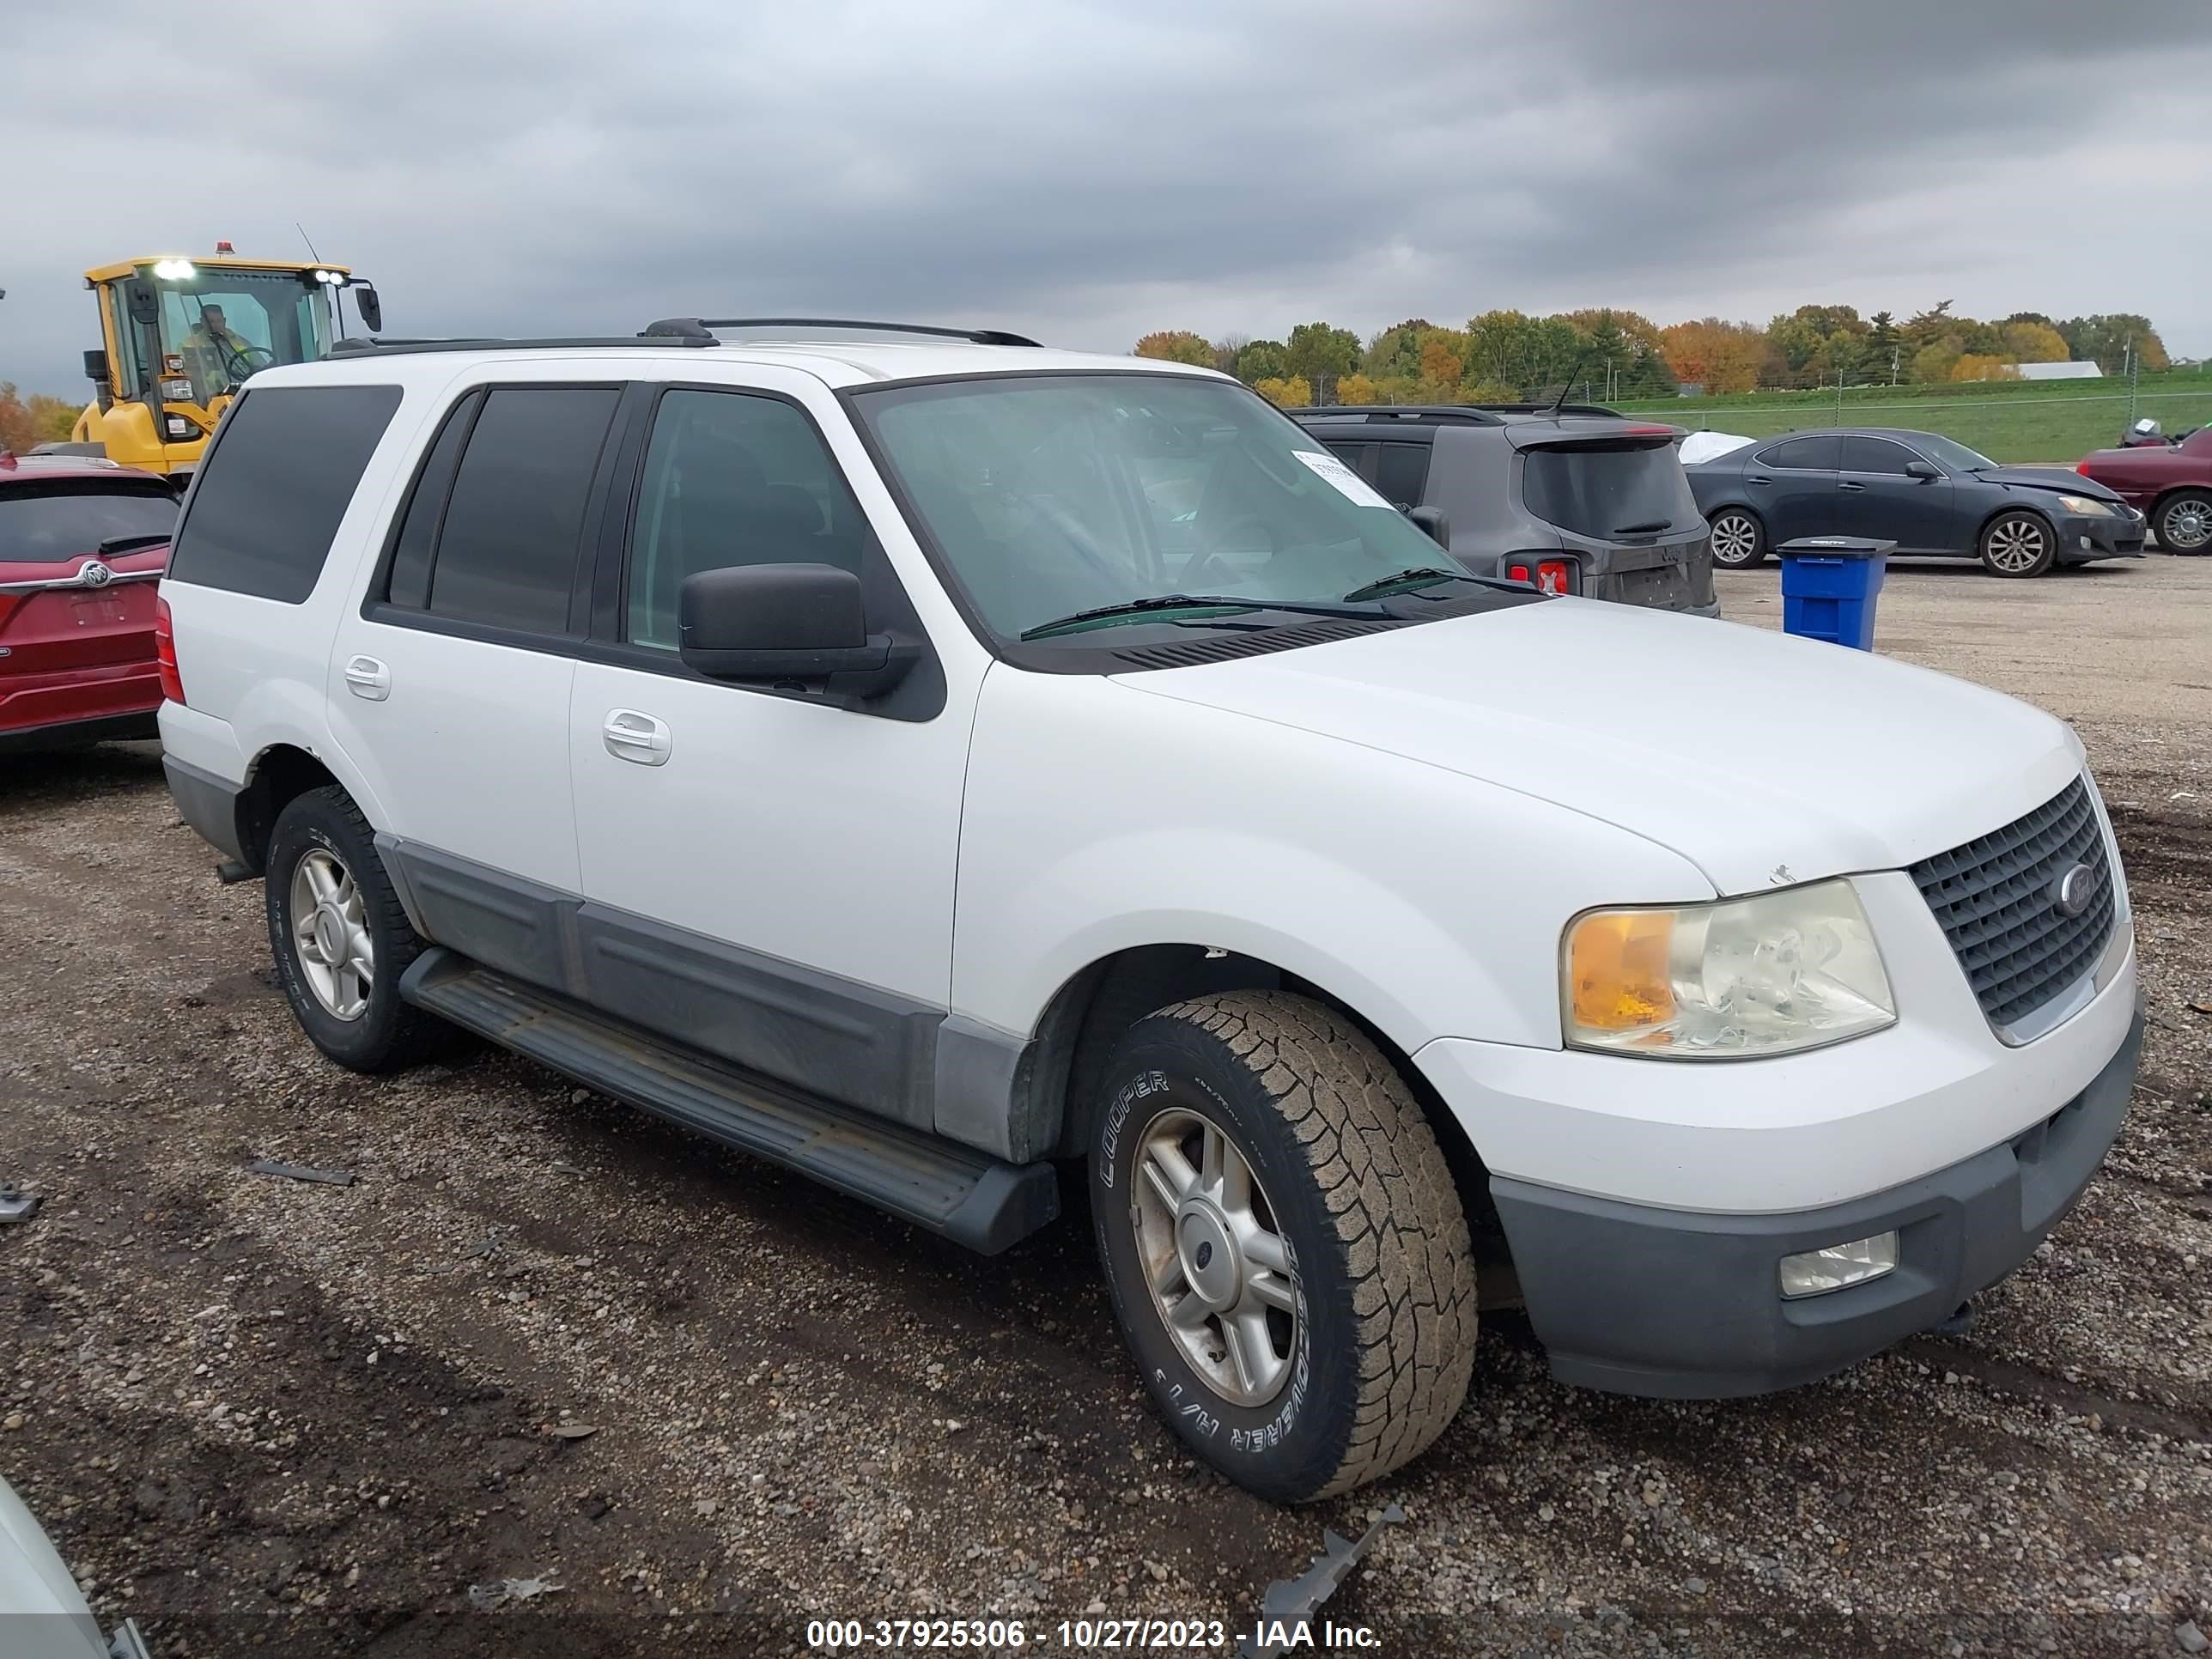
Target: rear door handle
x=631 y=736
x=365 y=677
x=1759 y=479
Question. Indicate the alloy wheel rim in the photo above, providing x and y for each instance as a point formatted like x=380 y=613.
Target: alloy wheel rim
x=2016 y=546
x=330 y=934
x=2189 y=526
x=1734 y=539
x=1220 y=1272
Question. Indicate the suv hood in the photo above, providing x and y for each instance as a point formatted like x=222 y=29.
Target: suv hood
x=1763 y=759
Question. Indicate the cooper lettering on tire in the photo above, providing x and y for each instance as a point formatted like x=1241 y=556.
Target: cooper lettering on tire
x=1285 y=1250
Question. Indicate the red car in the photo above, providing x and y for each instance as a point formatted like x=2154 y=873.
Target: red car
x=2171 y=481
x=83 y=543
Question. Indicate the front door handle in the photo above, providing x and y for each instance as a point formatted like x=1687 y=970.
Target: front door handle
x=365 y=677
x=1848 y=484
x=631 y=736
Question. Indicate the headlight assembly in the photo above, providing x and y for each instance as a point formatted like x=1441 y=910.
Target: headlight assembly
x=1738 y=979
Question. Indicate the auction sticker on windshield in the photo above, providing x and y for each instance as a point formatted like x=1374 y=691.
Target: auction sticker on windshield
x=1350 y=484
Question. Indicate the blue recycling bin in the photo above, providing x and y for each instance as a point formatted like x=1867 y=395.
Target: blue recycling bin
x=1829 y=586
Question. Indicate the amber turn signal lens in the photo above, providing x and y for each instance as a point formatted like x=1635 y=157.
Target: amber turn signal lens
x=1617 y=970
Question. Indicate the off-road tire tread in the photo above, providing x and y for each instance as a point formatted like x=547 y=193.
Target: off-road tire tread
x=1410 y=1269
x=416 y=1035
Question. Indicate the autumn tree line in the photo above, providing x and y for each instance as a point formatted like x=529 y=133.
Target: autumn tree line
x=36 y=419
x=1507 y=356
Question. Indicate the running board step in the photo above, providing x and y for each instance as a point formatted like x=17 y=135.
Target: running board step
x=966 y=1195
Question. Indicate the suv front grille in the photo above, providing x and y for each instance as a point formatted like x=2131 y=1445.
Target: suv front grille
x=1996 y=897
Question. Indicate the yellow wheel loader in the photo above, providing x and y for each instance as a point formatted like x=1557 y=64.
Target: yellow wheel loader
x=180 y=336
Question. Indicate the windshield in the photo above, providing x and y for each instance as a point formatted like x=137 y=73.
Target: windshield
x=68 y=518
x=1951 y=457
x=1051 y=495
x=1602 y=491
x=220 y=325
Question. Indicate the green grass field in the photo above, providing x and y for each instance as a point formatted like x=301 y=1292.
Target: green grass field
x=2007 y=421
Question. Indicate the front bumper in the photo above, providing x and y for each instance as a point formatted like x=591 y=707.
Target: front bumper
x=2080 y=539
x=1678 y=1304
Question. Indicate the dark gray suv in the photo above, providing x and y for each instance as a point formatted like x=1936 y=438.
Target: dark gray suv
x=1573 y=499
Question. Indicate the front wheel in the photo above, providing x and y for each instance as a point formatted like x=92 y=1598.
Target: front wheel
x=1285 y=1250
x=1739 y=540
x=2185 y=523
x=2018 y=545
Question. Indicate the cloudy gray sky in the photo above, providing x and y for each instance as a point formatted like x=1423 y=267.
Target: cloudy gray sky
x=1090 y=171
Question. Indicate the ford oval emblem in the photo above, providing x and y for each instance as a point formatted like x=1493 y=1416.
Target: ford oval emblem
x=2075 y=889
x=94 y=574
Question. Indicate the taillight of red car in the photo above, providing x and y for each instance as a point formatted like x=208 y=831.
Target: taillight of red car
x=164 y=651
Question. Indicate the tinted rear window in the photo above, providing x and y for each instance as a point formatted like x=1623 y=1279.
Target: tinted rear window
x=1605 y=492
x=271 y=492
x=67 y=518
x=1823 y=454
x=506 y=554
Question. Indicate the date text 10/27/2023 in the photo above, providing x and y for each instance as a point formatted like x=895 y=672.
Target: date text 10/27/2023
x=1087 y=1635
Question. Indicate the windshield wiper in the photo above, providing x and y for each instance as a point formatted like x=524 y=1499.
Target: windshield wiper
x=1642 y=529
x=1419 y=575
x=1133 y=610
x=115 y=545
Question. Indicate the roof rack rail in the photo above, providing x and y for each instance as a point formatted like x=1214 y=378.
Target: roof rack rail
x=700 y=328
x=1383 y=414
x=1547 y=409
x=383 y=347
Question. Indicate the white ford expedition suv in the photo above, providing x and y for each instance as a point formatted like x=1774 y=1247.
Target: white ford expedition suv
x=926 y=762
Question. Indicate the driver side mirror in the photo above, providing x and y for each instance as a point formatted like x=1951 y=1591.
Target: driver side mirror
x=800 y=625
x=143 y=302
x=1433 y=524
x=1922 y=471
x=370 y=307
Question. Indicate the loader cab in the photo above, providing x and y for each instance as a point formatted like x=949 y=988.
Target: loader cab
x=180 y=336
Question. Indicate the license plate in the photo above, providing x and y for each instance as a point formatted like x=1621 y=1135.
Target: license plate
x=97 y=611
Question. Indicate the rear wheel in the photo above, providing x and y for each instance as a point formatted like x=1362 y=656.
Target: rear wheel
x=2185 y=523
x=1739 y=538
x=341 y=938
x=2018 y=545
x=1284 y=1247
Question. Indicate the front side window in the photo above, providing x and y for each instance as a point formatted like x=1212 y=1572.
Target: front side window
x=1875 y=455
x=271 y=494
x=514 y=523
x=732 y=479
x=1401 y=472
x=1054 y=494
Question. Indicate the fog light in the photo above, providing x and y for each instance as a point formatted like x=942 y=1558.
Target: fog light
x=1814 y=1272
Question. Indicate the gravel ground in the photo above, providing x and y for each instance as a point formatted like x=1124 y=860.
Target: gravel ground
x=543 y=1337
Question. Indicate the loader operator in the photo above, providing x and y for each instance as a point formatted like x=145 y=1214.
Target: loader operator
x=216 y=358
